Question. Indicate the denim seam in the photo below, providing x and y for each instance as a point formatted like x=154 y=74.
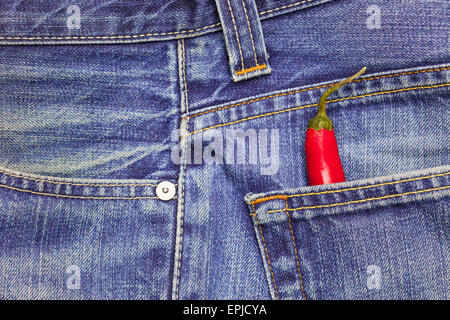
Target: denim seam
x=236 y=33
x=359 y=201
x=77 y=197
x=283 y=197
x=266 y=251
x=347 y=189
x=182 y=182
x=251 y=69
x=251 y=34
x=79 y=184
x=108 y=37
x=140 y=35
x=296 y=252
x=315 y=104
x=312 y=88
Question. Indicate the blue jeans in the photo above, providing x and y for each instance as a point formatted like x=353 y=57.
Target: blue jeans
x=156 y=151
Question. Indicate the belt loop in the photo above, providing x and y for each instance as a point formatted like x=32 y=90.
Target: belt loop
x=243 y=38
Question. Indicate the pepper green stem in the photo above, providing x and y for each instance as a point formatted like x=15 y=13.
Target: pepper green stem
x=321 y=121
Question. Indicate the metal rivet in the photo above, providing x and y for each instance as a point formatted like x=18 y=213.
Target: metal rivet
x=165 y=190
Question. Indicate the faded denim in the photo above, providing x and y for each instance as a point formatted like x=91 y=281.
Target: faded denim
x=89 y=119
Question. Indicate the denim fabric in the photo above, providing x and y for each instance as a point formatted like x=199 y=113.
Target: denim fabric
x=243 y=38
x=93 y=119
x=328 y=242
x=40 y=22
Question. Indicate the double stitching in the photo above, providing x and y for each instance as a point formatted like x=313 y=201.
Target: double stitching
x=141 y=35
x=266 y=251
x=313 y=105
x=257 y=66
x=79 y=184
x=287 y=209
x=110 y=37
x=251 y=34
x=244 y=70
x=312 y=88
x=295 y=251
x=179 y=244
x=360 y=201
x=265 y=199
x=236 y=33
x=77 y=197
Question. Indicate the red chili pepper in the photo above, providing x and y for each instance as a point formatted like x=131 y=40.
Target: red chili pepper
x=322 y=156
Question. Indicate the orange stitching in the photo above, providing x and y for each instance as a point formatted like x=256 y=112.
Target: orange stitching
x=359 y=201
x=296 y=253
x=283 y=196
x=312 y=105
x=236 y=33
x=79 y=184
x=248 y=70
x=312 y=88
x=77 y=197
x=267 y=253
x=251 y=34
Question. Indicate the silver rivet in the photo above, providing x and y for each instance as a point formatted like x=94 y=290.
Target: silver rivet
x=165 y=190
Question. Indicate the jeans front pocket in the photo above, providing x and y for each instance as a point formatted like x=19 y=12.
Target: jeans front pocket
x=81 y=239
x=379 y=238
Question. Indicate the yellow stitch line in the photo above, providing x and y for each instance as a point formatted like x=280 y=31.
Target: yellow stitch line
x=80 y=184
x=251 y=34
x=284 y=196
x=296 y=253
x=286 y=6
x=313 y=88
x=77 y=197
x=248 y=70
x=249 y=101
x=312 y=105
x=367 y=187
x=250 y=118
x=359 y=201
x=236 y=33
x=267 y=252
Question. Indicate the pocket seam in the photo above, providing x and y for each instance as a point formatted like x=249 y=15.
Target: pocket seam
x=78 y=197
x=313 y=88
x=283 y=196
x=265 y=249
x=79 y=184
x=359 y=201
x=295 y=251
x=378 y=93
